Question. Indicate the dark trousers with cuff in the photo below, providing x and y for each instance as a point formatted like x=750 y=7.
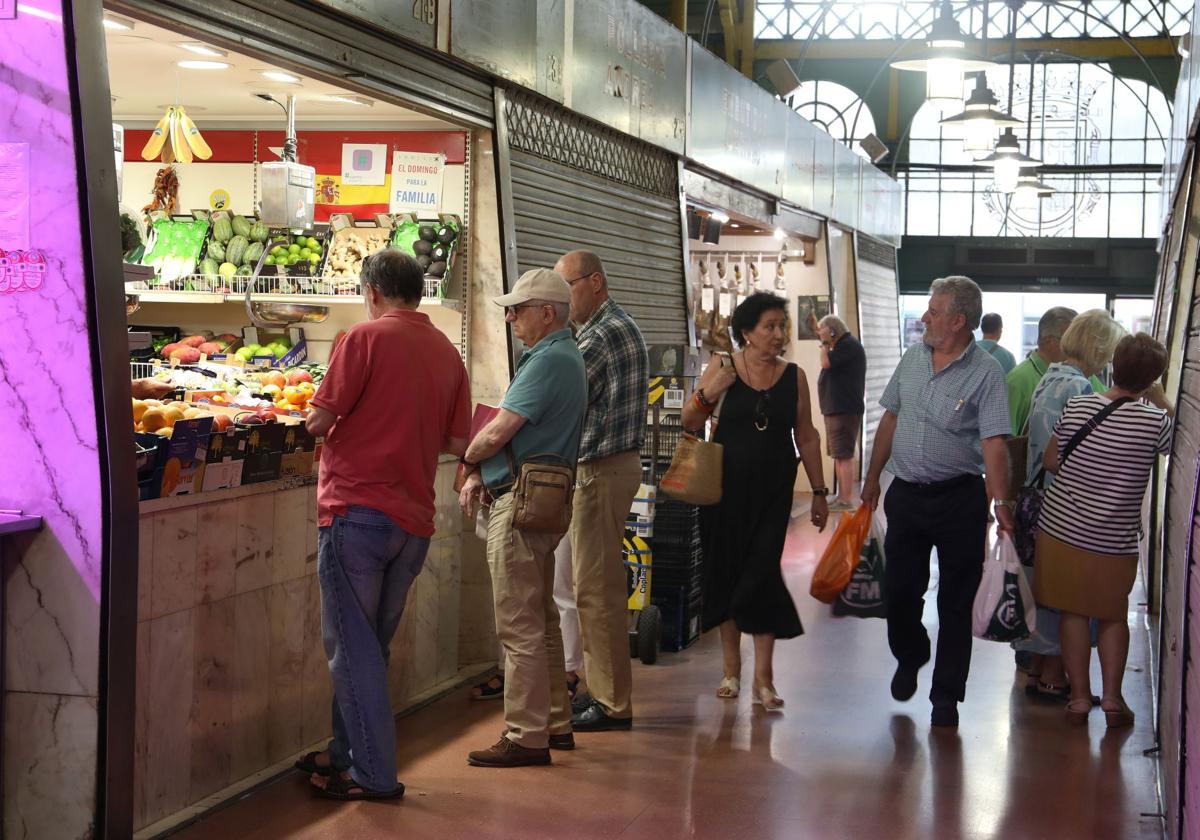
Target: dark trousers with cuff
x=950 y=516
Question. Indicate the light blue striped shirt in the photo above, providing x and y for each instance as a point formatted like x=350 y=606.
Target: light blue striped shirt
x=942 y=418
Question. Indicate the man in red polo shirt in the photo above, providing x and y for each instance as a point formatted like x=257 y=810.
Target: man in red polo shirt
x=396 y=394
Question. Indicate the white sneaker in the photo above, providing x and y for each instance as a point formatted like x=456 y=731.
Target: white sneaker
x=838 y=506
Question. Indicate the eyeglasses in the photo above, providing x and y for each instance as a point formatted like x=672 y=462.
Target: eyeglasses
x=580 y=277
x=761 y=418
x=513 y=310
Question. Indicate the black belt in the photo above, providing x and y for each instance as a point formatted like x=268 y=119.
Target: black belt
x=935 y=486
x=499 y=491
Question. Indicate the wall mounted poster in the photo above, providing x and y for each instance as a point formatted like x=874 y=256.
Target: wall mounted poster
x=817 y=305
x=364 y=165
x=417 y=183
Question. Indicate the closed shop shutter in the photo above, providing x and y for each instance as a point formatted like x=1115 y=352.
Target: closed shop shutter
x=325 y=42
x=577 y=184
x=879 y=323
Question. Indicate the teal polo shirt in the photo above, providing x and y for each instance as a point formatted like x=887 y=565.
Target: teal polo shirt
x=550 y=392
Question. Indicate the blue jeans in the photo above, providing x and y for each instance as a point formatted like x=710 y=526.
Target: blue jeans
x=366 y=564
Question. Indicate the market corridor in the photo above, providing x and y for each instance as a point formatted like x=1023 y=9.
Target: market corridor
x=843 y=761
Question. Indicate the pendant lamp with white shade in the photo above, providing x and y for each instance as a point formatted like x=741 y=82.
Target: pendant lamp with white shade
x=944 y=60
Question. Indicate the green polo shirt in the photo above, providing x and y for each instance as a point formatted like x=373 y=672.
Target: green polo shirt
x=550 y=392
x=1023 y=381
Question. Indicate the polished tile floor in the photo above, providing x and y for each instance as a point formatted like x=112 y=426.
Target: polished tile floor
x=843 y=761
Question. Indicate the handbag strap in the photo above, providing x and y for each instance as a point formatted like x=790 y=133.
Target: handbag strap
x=1084 y=430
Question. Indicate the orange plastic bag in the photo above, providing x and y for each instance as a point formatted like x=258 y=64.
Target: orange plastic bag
x=841 y=557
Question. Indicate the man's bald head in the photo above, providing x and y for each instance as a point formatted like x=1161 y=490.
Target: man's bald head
x=584 y=272
x=582 y=264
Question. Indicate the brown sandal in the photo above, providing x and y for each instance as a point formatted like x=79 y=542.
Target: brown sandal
x=1077 y=712
x=1117 y=718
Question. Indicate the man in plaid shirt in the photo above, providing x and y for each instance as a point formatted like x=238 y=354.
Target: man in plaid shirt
x=609 y=474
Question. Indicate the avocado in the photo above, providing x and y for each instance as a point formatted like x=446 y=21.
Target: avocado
x=421 y=248
x=439 y=253
x=424 y=261
x=437 y=269
x=428 y=233
x=446 y=234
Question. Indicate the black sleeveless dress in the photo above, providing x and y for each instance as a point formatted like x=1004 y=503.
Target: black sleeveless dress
x=743 y=535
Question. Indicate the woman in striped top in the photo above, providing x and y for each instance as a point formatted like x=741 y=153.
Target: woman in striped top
x=1087 y=548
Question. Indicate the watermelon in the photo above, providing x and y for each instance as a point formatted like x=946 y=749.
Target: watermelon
x=253 y=253
x=222 y=230
x=216 y=251
x=241 y=227
x=244 y=271
x=235 y=251
x=208 y=267
x=259 y=232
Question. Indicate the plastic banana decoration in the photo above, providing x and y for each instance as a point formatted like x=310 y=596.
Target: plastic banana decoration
x=176 y=138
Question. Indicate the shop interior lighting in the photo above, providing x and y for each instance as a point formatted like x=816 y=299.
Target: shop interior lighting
x=779 y=234
x=280 y=76
x=347 y=99
x=720 y=216
x=1007 y=162
x=189 y=64
x=116 y=23
x=980 y=120
x=1029 y=190
x=203 y=49
x=944 y=60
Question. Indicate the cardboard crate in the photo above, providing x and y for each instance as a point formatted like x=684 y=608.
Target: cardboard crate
x=178 y=461
x=299 y=452
x=264 y=453
x=681 y=614
x=225 y=459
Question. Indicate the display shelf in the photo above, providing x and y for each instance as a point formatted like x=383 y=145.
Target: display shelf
x=148 y=296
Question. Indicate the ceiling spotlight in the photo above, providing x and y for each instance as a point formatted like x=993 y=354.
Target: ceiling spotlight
x=980 y=120
x=203 y=49
x=280 y=76
x=189 y=64
x=779 y=234
x=720 y=216
x=116 y=23
x=346 y=99
x=944 y=59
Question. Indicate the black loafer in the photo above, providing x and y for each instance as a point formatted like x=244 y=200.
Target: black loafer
x=566 y=741
x=595 y=719
x=944 y=714
x=904 y=682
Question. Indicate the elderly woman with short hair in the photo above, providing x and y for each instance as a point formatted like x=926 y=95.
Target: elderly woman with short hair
x=1091 y=521
x=1088 y=343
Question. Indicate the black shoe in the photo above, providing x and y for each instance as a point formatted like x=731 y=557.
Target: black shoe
x=904 y=681
x=944 y=714
x=581 y=702
x=566 y=741
x=595 y=719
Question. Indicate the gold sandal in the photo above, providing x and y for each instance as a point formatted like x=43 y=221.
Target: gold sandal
x=766 y=697
x=730 y=688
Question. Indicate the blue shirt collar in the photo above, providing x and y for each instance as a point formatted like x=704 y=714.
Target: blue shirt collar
x=545 y=343
x=961 y=357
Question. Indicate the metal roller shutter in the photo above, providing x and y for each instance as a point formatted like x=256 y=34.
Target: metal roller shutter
x=577 y=184
x=326 y=43
x=879 y=323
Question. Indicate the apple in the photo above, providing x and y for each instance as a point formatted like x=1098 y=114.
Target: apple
x=194 y=340
x=298 y=375
x=221 y=423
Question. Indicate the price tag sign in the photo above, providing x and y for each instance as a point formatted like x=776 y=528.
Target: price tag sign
x=706 y=298
x=726 y=304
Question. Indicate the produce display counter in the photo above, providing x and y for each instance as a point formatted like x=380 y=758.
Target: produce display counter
x=232 y=678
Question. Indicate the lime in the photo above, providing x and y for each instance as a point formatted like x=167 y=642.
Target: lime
x=293 y=248
x=277 y=250
x=313 y=243
x=269 y=260
x=305 y=253
x=315 y=259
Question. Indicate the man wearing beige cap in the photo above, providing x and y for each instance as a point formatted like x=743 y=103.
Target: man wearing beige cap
x=539 y=418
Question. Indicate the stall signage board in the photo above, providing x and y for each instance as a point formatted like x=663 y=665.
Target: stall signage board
x=798 y=177
x=628 y=69
x=497 y=36
x=745 y=136
x=415 y=20
x=364 y=164
x=417 y=183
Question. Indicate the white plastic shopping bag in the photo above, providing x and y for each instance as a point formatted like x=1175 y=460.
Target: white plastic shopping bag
x=1004 y=610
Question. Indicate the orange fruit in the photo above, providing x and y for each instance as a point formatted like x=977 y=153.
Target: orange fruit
x=153 y=419
x=165 y=431
x=170 y=476
x=274 y=392
x=294 y=395
x=172 y=416
x=274 y=378
x=308 y=388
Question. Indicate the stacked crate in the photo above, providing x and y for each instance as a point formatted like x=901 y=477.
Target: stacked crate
x=678 y=554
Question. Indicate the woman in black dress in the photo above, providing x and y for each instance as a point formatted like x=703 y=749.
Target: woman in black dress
x=764 y=418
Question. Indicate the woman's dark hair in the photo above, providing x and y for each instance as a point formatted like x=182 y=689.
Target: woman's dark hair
x=395 y=274
x=750 y=311
x=1137 y=362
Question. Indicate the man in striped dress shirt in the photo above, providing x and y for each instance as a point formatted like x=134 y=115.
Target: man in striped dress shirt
x=946 y=418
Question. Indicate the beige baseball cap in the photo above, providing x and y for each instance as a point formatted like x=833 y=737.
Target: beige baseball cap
x=537 y=284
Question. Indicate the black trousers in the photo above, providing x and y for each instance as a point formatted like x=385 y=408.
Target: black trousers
x=951 y=517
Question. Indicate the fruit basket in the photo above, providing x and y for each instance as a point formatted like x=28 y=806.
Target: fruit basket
x=434 y=243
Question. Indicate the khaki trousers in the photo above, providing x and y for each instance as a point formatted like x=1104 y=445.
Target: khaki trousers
x=535 y=689
x=604 y=491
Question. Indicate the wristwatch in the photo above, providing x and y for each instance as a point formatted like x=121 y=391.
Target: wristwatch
x=468 y=464
x=820 y=491
x=1008 y=503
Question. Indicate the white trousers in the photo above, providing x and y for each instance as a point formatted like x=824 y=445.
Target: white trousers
x=568 y=615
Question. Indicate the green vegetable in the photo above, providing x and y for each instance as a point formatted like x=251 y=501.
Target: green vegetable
x=259 y=232
x=253 y=253
x=208 y=268
x=222 y=230
x=241 y=227
x=227 y=269
x=244 y=271
x=235 y=251
x=216 y=250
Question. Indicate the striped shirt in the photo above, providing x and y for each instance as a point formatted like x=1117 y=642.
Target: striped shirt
x=618 y=375
x=942 y=418
x=1095 y=503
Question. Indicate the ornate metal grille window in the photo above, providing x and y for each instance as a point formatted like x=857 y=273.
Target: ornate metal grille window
x=542 y=128
x=1105 y=133
x=836 y=109
x=883 y=19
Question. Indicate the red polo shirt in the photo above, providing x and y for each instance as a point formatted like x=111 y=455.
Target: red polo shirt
x=399 y=390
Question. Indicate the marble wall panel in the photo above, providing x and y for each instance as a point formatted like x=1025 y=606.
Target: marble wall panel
x=316 y=686
x=51 y=619
x=173 y=581
x=290 y=545
x=145 y=564
x=255 y=542
x=216 y=551
x=212 y=699
x=425 y=648
x=251 y=681
x=167 y=781
x=310 y=533
x=449 y=597
x=285 y=700
x=49 y=766
x=141 y=725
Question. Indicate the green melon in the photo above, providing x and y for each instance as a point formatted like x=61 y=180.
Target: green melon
x=241 y=227
x=235 y=251
x=222 y=230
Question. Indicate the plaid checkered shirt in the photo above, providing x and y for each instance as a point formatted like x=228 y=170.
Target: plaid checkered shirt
x=618 y=374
